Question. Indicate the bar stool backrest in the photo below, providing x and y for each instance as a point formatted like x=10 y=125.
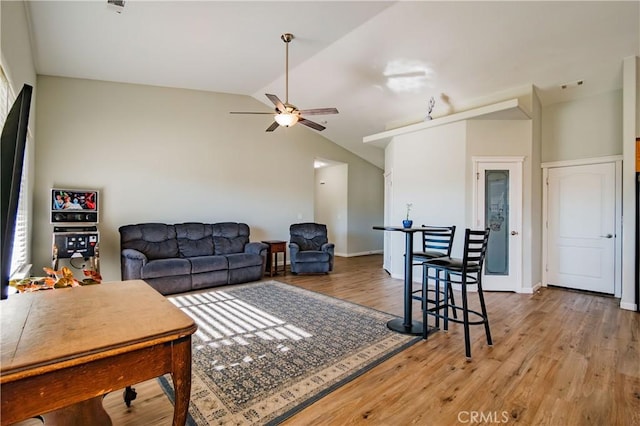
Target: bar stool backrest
x=438 y=238
x=475 y=249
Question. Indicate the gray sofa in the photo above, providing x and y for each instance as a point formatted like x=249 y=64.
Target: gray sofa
x=190 y=256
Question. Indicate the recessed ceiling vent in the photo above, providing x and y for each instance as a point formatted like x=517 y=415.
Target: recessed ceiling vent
x=117 y=5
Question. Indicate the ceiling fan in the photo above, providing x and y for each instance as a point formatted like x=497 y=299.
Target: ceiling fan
x=287 y=114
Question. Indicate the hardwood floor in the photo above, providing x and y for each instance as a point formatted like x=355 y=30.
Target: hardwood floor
x=559 y=358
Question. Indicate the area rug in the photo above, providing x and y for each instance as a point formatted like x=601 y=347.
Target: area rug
x=265 y=351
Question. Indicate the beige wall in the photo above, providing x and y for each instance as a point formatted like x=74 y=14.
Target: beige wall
x=170 y=155
x=17 y=62
x=585 y=128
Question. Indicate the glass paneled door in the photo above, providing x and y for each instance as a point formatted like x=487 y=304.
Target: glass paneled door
x=496 y=218
x=499 y=208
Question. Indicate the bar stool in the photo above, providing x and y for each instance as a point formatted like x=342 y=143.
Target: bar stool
x=466 y=271
x=437 y=241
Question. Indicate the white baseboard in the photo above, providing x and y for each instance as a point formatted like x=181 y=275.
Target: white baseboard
x=628 y=306
x=362 y=253
x=531 y=290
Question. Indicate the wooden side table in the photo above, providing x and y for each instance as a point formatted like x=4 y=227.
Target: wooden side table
x=275 y=247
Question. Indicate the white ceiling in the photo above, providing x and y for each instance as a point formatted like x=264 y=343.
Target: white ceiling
x=378 y=62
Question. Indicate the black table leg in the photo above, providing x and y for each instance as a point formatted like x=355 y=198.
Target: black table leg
x=406 y=325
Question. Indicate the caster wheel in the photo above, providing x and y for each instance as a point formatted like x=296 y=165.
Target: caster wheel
x=129 y=395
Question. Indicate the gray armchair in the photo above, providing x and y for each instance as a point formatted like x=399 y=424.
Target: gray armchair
x=310 y=251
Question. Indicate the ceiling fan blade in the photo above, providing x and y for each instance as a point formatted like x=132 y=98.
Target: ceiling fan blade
x=311 y=124
x=273 y=126
x=247 y=112
x=277 y=102
x=319 y=111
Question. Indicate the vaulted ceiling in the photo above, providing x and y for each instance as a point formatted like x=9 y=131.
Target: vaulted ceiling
x=378 y=62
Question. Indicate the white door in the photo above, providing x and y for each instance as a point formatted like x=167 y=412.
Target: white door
x=499 y=207
x=581 y=227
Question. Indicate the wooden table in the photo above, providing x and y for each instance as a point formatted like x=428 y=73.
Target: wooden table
x=275 y=247
x=63 y=349
x=406 y=325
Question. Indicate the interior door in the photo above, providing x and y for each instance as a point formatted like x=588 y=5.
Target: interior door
x=499 y=207
x=581 y=227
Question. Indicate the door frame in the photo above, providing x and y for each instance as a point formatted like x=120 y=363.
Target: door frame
x=617 y=160
x=516 y=224
x=387 y=251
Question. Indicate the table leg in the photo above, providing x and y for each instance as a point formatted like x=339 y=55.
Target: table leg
x=406 y=325
x=181 y=376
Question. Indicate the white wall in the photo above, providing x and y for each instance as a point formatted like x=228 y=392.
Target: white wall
x=630 y=131
x=429 y=171
x=433 y=169
x=170 y=155
x=503 y=138
x=331 y=204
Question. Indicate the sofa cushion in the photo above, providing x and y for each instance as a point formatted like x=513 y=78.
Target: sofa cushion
x=154 y=240
x=312 y=256
x=194 y=239
x=309 y=236
x=202 y=264
x=224 y=245
x=243 y=260
x=229 y=237
x=166 y=267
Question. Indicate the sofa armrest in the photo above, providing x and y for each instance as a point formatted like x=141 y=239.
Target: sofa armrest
x=256 y=248
x=294 y=248
x=131 y=263
x=329 y=248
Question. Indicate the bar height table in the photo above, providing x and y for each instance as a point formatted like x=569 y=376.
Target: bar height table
x=406 y=325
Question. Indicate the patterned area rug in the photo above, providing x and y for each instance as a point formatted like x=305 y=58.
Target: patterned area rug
x=265 y=351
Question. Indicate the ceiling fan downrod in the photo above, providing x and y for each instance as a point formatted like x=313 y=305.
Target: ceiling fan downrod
x=286 y=37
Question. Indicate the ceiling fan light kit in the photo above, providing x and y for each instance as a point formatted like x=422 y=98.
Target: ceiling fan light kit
x=286 y=119
x=286 y=114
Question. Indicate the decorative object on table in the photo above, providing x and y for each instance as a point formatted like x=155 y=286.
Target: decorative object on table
x=432 y=103
x=55 y=279
x=408 y=223
x=252 y=377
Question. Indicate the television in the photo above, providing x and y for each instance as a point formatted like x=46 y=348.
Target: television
x=74 y=206
x=74 y=199
x=13 y=141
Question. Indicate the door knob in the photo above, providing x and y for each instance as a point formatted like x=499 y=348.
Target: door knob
x=514 y=232
x=607 y=236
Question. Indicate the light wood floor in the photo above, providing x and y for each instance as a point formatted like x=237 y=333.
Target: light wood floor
x=559 y=358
